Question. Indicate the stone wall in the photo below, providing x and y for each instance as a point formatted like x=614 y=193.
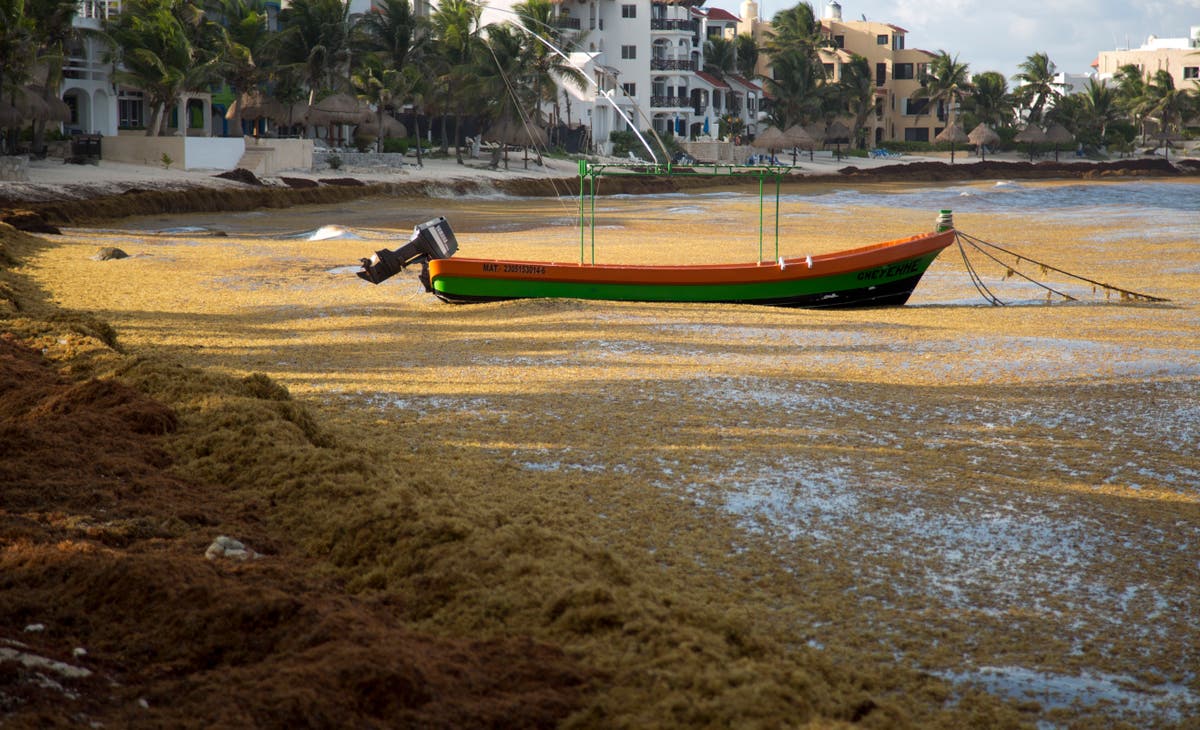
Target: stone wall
x=14 y=168
x=360 y=159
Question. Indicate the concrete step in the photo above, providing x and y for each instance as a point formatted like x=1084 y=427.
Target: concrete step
x=258 y=160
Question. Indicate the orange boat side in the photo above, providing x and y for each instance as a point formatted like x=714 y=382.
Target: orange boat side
x=830 y=264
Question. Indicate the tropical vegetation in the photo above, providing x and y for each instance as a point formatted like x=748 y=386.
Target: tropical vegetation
x=809 y=84
x=451 y=73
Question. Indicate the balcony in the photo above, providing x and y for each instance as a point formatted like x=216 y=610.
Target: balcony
x=98 y=9
x=566 y=22
x=671 y=25
x=672 y=64
x=670 y=102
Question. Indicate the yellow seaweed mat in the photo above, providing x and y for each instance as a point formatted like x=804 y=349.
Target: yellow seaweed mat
x=739 y=516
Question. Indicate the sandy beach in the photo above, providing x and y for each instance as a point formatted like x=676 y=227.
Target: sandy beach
x=635 y=515
x=50 y=180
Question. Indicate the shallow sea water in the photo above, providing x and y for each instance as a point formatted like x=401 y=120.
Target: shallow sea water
x=1007 y=496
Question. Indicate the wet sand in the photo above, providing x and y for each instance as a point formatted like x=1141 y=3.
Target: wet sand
x=1001 y=495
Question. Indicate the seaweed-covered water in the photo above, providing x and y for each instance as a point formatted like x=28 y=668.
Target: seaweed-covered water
x=1006 y=497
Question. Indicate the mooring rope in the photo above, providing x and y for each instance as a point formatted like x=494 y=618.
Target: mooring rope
x=979 y=245
x=974 y=276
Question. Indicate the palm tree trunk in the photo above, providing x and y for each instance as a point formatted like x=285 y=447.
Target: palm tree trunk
x=153 y=129
x=417 y=126
x=458 y=137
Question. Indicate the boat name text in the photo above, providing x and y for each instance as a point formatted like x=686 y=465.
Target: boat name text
x=887 y=272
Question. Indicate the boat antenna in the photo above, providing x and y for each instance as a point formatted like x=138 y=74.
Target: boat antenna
x=606 y=93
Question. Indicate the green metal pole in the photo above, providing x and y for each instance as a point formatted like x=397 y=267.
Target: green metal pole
x=593 y=218
x=760 y=215
x=582 y=177
x=777 y=178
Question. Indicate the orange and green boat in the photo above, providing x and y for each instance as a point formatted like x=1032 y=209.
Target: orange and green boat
x=883 y=274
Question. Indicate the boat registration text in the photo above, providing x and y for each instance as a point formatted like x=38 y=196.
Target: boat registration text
x=514 y=268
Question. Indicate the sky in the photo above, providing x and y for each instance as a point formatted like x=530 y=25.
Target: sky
x=997 y=35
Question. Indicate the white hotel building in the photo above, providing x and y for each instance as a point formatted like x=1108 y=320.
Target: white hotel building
x=647 y=56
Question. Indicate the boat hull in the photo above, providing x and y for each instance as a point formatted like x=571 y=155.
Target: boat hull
x=880 y=275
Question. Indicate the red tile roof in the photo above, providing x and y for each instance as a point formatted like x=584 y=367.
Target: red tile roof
x=713 y=81
x=722 y=14
x=745 y=82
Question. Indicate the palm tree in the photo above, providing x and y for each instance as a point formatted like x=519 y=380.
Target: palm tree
x=720 y=56
x=798 y=88
x=391 y=30
x=746 y=53
x=1101 y=103
x=856 y=90
x=504 y=77
x=1166 y=105
x=243 y=44
x=796 y=28
x=314 y=39
x=16 y=55
x=456 y=29
x=53 y=22
x=151 y=50
x=797 y=81
x=1036 y=84
x=546 y=66
x=946 y=84
x=989 y=99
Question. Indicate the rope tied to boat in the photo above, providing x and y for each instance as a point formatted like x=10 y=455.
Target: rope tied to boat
x=994 y=252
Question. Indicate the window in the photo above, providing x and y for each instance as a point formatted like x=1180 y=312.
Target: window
x=913 y=107
x=628 y=11
x=130 y=110
x=629 y=89
x=1191 y=72
x=839 y=41
x=897 y=42
x=880 y=74
x=628 y=52
x=881 y=39
x=916 y=134
x=903 y=71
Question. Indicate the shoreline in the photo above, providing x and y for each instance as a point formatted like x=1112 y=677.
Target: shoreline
x=60 y=194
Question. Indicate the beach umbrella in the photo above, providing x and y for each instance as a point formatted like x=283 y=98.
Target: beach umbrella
x=838 y=133
x=771 y=139
x=798 y=137
x=1165 y=138
x=816 y=130
x=30 y=104
x=1057 y=134
x=1032 y=134
x=953 y=134
x=508 y=131
x=392 y=127
x=285 y=113
x=982 y=136
x=250 y=106
x=337 y=109
x=48 y=106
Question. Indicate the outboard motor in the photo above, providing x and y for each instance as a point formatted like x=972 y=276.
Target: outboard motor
x=430 y=240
